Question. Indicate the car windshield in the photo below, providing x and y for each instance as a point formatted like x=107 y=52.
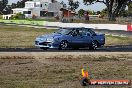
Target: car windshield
x=64 y=31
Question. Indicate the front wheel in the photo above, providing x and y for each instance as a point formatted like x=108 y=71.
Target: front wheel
x=63 y=45
x=94 y=45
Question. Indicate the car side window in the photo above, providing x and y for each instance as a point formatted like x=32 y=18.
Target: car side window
x=85 y=32
x=81 y=32
x=76 y=32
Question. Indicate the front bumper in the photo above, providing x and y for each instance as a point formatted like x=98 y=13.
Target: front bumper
x=46 y=44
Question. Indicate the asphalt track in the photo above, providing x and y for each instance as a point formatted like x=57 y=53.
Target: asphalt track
x=119 y=48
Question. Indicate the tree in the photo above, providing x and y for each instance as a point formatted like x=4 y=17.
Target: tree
x=104 y=12
x=73 y=5
x=63 y=4
x=81 y=12
x=130 y=9
x=19 y=4
x=1 y=8
x=124 y=13
x=91 y=12
x=114 y=7
x=13 y=5
x=7 y=9
x=98 y=12
x=3 y=4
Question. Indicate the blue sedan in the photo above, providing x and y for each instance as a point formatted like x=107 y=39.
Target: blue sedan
x=74 y=38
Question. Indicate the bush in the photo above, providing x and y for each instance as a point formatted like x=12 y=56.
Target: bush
x=18 y=16
x=1 y=17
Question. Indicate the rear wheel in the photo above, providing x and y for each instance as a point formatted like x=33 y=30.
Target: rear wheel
x=94 y=45
x=63 y=45
x=43 y=48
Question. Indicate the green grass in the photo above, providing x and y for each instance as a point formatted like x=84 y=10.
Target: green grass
x=118 y=37
x=118 y=40
x=28 y=21
x=16 y=36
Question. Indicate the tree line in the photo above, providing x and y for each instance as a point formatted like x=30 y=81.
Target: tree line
x=114 y=8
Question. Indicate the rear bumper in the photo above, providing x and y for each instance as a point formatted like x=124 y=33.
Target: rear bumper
x=101 y=45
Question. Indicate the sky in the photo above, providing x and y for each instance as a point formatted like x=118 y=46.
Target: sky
x=94 y=7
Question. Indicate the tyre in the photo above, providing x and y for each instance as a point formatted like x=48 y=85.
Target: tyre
x=63 y=45
x=94 y=45
x=43 y=48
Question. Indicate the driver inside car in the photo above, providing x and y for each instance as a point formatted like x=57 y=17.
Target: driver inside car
x=76 y=33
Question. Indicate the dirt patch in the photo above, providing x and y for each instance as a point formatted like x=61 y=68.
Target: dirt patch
x=61 y=70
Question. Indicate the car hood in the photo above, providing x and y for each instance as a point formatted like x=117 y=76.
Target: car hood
x=49 y=35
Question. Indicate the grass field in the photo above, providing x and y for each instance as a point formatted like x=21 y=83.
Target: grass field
x=18 y=36
x=118 y=40
x=57 y=69
x=62 y=70
x=31 y=22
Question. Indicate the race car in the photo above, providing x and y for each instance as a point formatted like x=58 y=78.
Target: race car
x=66 y=38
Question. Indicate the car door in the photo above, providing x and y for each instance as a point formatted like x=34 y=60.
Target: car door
x=81 y=39
x=86 y=37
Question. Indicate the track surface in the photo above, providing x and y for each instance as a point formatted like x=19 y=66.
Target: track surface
x=122 y=48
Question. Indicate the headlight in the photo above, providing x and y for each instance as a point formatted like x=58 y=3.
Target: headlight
x=50 y=39
x=40 y=39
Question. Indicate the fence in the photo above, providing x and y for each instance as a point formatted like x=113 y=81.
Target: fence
x=60 y=24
